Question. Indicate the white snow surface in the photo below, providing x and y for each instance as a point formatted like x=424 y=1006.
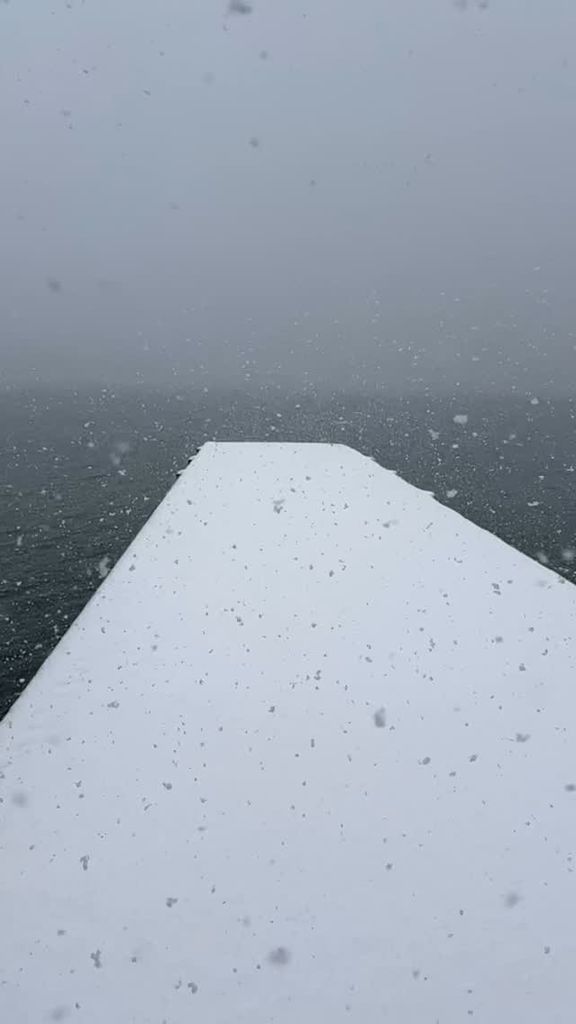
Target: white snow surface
x=307 y=755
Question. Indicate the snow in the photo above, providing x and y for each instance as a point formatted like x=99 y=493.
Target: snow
x=104 y=566
x=308 y=754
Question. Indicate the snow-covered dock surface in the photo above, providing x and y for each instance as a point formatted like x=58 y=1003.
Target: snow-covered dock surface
x=308 y=755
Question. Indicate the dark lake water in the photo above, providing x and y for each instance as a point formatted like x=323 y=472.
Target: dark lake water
x=81 y=472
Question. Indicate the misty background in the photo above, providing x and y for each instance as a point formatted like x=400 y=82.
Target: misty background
x=315 y=221
x=321 y=193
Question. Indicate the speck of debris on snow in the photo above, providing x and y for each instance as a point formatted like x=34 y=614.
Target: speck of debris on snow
x=279 y=956
x=239 y=7
x=380 y=718
x=512 y=899
x=60 y=1013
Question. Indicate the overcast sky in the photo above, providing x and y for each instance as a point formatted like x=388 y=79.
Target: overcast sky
x=345 y=192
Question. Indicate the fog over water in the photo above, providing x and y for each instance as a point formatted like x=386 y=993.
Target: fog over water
x=327 y=194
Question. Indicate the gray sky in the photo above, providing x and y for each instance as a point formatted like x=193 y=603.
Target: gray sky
x=315 y=192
